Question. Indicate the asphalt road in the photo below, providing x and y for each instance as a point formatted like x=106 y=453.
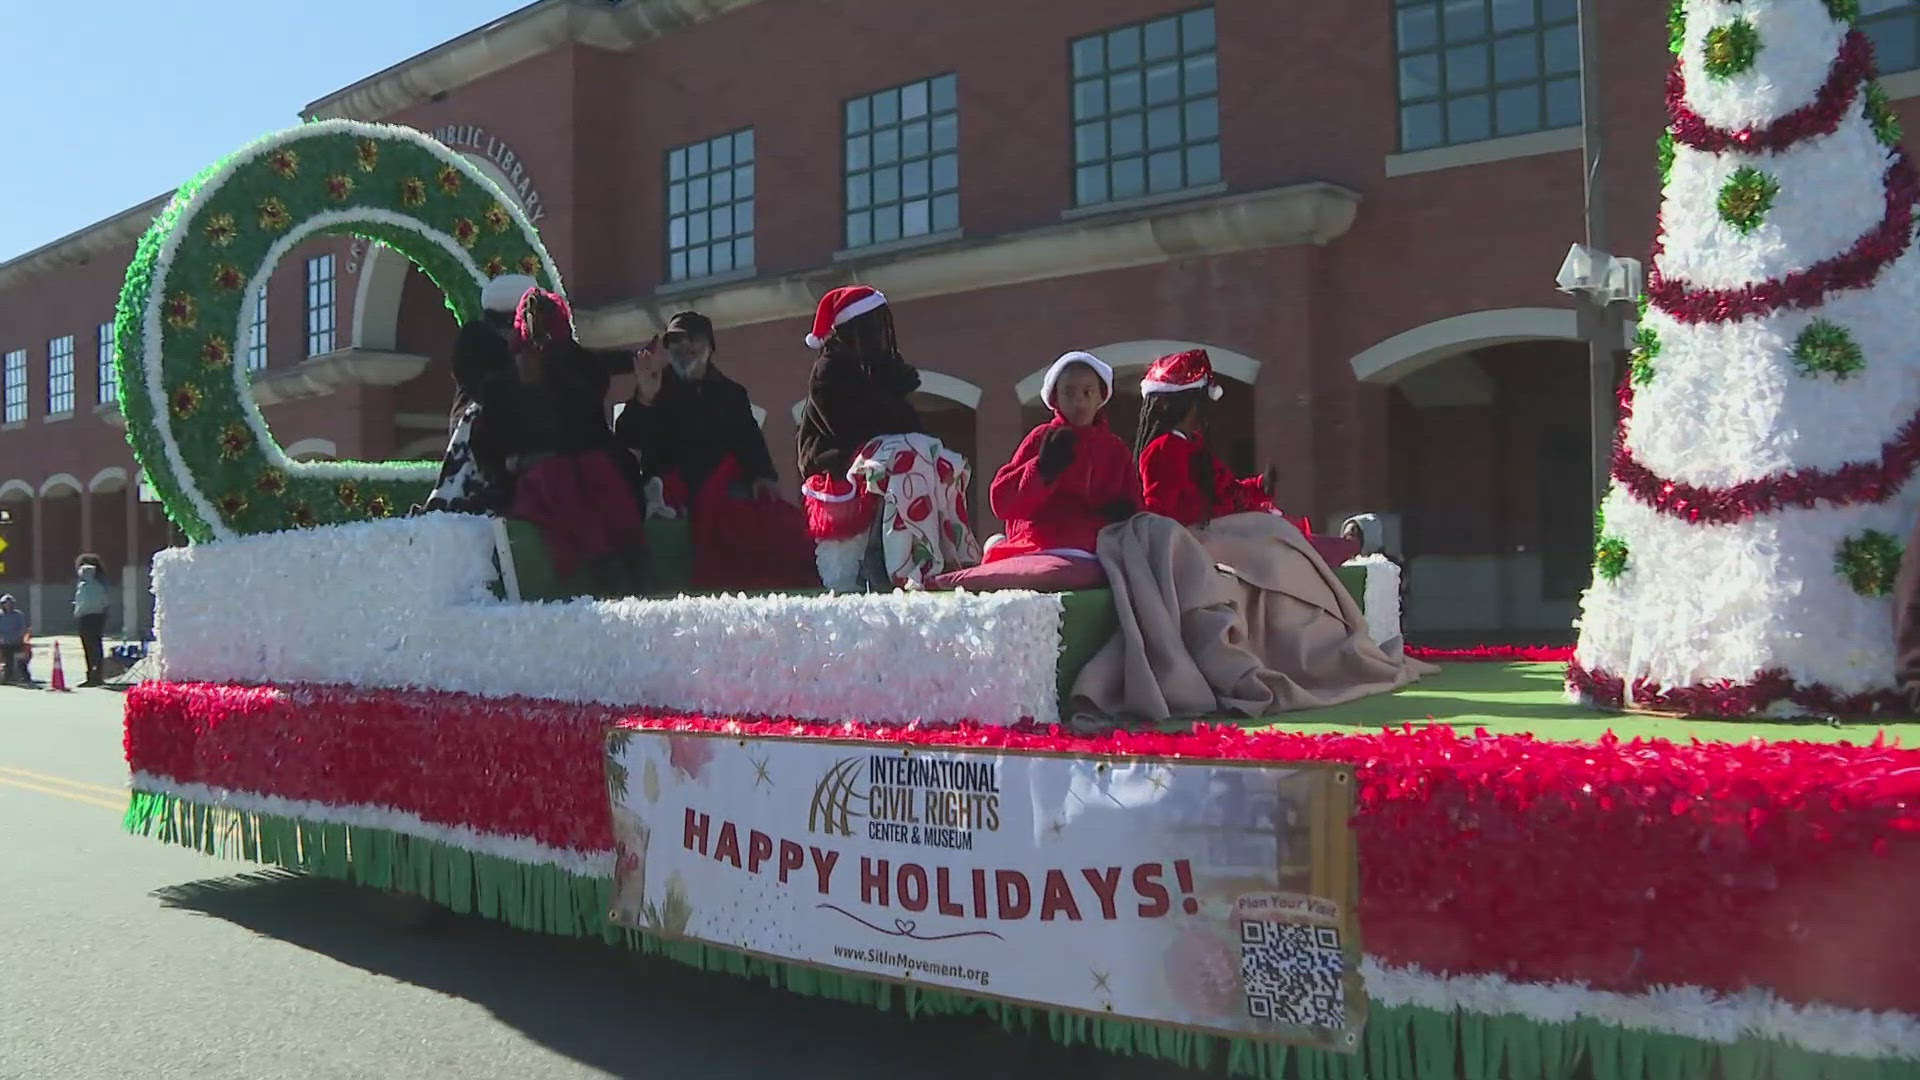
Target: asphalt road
x=122 y=956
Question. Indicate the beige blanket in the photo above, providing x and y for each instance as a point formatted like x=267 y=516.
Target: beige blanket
x=1240 y=617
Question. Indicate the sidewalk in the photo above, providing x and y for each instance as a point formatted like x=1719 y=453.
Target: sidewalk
x=73 y=661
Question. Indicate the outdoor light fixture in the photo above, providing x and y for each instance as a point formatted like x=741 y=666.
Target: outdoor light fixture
x=1598 y=276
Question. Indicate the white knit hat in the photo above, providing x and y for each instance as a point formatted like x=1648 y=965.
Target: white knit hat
x=503 y=293
x=1098 y=365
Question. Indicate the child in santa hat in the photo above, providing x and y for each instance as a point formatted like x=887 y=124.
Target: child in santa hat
x=886 y=503
x=1072 y=475
x=1180 y=476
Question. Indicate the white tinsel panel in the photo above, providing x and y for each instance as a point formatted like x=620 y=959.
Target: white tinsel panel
x=1727 y=403
x=1382 y=599
x=1831 y=193
x=403 y=604
x=1798 y=43
x=1700 y=603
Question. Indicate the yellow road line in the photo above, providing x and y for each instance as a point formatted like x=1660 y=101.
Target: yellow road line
x=59 y=794
x=44 y=778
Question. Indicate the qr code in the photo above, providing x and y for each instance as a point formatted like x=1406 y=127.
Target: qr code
x=1293 y=974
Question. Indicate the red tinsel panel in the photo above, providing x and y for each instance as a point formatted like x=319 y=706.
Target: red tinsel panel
x=1494 y=654
x=1625 y=865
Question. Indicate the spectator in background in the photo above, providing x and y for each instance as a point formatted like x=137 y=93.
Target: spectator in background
x=90 y=604
x=13 y=641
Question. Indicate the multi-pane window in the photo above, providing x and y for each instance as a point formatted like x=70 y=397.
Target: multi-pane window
x=1481 y=69
x=107 y=378
x=1894 y=26
x=320 y=308
x=903 y=162
x=1146 y=109
x=14 y=374
x=60 y=375
x=710 y=207
x=257 y=332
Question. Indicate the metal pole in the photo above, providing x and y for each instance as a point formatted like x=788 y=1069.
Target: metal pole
x=1600 y=326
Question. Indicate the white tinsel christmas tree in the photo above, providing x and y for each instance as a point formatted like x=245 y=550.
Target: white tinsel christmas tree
x=1763 y=478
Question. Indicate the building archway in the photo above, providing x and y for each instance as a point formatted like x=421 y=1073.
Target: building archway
x=17 y=525
x=313 y=450
x=1231 y=426
x=1489 y=478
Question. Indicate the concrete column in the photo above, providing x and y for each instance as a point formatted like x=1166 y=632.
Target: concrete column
x=86 y=521
x=132 y=576
x=998 y=429
x=39 y=569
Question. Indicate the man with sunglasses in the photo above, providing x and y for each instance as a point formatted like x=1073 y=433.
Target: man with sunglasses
x=686 y=418
x=694 y=430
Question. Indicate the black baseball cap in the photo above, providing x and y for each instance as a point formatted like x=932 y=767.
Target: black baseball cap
x=689 y=323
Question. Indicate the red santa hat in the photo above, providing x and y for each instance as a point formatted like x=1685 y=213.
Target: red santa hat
x=1067 y=360
x=839 y=306
x=1180 y=372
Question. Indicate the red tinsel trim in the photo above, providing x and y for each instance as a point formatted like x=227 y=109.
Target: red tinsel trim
x=1724 y=698
x=1856 y=482
x=1624 y=865
x=1852 y=67
x=1494 y=654
x=1851 y=484
x=1856 y=268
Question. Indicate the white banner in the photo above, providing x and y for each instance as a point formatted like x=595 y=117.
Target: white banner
x=1216 y=896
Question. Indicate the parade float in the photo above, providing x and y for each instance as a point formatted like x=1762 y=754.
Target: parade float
x=870 y=798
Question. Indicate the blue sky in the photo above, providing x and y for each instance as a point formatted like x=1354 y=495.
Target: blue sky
x=111 y=102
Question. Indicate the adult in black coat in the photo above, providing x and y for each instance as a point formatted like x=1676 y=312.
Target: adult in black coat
x=685 y=417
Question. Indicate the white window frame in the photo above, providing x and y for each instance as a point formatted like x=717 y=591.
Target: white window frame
x=13 y=387
x=690 y=208
x=321 y=306
x=257 y=332
x=1119 y=130
x=60 y=377
x=107 y=384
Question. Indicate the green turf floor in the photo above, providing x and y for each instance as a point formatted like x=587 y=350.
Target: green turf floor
x=1505 y=698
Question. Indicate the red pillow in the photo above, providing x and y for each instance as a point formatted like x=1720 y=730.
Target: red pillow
x=1040 y=573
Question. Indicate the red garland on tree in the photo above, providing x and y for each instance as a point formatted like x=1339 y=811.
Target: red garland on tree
x=1822 y=116
x=1856 y=268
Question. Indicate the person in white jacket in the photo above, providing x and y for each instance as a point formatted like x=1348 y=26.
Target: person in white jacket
x=90 y=604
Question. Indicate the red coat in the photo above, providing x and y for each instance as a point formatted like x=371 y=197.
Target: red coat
x=1166 y=475
x=1067 y=512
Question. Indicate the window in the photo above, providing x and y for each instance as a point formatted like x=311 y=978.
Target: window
x=319 y=305
x=109 y=379
x=1481 y=69
x=1146 y=109
x=1894 y=26
x=257 y=332
x=903 y=162
x=15 y=376
x=710 y=207
x=60 y=376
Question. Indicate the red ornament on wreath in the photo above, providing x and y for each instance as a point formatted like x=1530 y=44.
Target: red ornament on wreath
x=448 y=178
x=497 y=218
x=185 y=401
x=413 y=192
x=182 y=311
x=220 y=229
x=234 y=441
x=465 y=231
x=274 y=215
x=216 y=353
x=339 y=186
x=367 y=155
x=284 y=163
x=228 y=278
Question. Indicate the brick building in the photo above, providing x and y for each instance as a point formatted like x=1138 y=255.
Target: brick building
x=1357 y=208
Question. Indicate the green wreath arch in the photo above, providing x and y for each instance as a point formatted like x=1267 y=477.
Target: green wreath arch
x=191 y=417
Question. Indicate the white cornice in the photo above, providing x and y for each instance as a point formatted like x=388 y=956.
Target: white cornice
x=1312 y=213
x=518 y=36
x=79 y=247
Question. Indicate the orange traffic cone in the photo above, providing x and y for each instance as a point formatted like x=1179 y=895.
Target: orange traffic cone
x=59 y=675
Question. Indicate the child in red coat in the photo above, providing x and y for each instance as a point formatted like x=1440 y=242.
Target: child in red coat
x=1072 y=476
x=1180 y=477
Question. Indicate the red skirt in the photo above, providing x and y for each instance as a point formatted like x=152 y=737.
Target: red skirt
x=583 y=506
x=748 y=545
x=836 y=510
